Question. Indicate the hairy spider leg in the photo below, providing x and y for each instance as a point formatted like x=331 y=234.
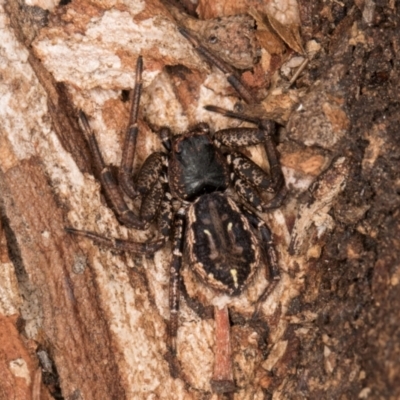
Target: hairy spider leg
x=231 y=76
x=249 y=172
x=152 y=199
x=129 y=147
x=165 y=215
x=269 y=253
x=152 y=184
x=108 y=182
x=120 y=244
x=175 y=268
x=154 y=194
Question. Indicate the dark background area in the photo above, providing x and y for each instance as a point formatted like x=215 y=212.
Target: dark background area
x=354 y=288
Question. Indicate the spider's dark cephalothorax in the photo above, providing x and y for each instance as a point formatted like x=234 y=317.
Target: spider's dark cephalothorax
x=222 y=236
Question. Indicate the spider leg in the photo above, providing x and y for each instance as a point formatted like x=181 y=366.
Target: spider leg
x=152 y=184
x=153 y=167
x=249 y=171
x=175 y=267
x=232 y=114
x=120 y=244
x=247 y=193
x=165 y=215
x=278 y=180
x=152 y=201
x=164 y=205
x=109 y=184
x=269 y=253
x=126 y=167
x=249 y=179
x=148 y=248
x=238 y=137
x=229 y=72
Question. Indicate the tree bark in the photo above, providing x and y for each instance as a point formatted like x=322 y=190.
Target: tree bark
x=330 y=329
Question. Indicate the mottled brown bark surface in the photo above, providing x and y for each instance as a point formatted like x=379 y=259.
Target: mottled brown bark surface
x=334 y=329
x=65 y=304
x=352 y=348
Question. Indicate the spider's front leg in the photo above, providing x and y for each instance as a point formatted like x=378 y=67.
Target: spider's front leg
x=129 y=148
x=230 y=73
x=152 y=184
x=248 y=177
x=109 y=184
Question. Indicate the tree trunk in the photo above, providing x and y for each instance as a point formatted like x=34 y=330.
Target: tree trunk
x=82 y=322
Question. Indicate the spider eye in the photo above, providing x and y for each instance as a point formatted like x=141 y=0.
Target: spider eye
x=213 y=39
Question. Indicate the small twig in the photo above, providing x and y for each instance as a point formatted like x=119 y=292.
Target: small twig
x=299 y=71
x=222 y=380
x=36 y=384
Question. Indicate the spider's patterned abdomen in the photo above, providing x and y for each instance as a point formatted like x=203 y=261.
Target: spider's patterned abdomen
x=197 y=167
x=222 y=247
